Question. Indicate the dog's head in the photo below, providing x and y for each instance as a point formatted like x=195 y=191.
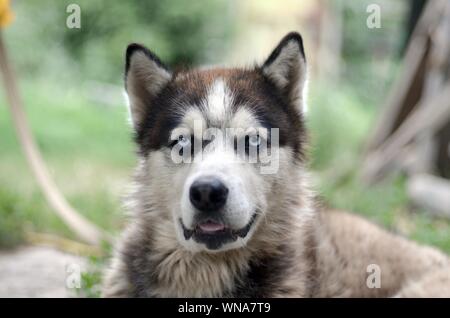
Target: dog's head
x=217 y=144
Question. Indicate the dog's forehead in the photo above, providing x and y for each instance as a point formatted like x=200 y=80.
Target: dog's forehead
x=220 y=98
x=223 y=97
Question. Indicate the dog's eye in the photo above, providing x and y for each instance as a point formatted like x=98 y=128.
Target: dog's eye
x=183 y=144
x=183 y=141
x=254 y=141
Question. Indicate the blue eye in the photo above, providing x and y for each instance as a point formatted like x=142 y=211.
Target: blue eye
x=251 y=142
x=254 y=141
x=184 y=141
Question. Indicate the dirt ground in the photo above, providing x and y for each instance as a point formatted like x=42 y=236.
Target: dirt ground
x=35 y=271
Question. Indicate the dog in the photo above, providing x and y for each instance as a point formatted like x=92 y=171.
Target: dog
x=231 y=214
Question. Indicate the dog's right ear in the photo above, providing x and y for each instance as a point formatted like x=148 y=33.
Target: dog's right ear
x=145 y=77
x=286 y=68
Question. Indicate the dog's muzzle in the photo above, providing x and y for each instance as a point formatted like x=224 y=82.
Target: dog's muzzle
x=214 y=234
x=209 y=198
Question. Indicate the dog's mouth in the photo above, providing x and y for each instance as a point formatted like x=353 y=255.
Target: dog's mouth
x=214 y=234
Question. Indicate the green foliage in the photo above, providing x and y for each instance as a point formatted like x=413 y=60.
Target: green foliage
x=11 y=225
x=370 y=55
x=431 y=231
x=338 y=121
x=91 y=279
x=174 y=29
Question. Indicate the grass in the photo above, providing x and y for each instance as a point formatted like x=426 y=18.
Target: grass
x=91 y=278
x=11 y=227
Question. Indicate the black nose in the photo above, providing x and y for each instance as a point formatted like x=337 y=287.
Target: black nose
x=208 y=194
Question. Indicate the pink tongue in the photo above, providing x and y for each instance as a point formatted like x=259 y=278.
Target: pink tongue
x=211 y=227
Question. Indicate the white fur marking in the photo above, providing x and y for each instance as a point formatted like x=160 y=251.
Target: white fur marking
x=218 y=101
x=127 y=103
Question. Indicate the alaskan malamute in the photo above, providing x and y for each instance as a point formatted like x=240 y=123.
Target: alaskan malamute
x=221 y=205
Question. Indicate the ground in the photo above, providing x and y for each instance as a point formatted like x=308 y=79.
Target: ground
x=32 y=271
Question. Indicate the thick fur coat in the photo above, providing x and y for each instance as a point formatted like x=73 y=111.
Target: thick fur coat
x=270 y=238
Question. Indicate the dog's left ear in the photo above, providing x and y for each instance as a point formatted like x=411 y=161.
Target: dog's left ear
x=145 y=78
x=286 y=68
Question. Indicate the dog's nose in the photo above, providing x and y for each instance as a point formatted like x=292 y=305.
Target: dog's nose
x=208 y=194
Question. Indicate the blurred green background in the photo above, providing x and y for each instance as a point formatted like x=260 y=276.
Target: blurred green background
x=71 y=82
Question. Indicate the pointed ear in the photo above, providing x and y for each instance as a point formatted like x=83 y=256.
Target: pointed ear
x=145 y=77
x=286 y=68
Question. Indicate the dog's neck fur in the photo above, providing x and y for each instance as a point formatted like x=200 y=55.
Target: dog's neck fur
x=169 y=270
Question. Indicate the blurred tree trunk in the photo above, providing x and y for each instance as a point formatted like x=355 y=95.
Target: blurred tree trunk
x=413 y=132
x=415 y=10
